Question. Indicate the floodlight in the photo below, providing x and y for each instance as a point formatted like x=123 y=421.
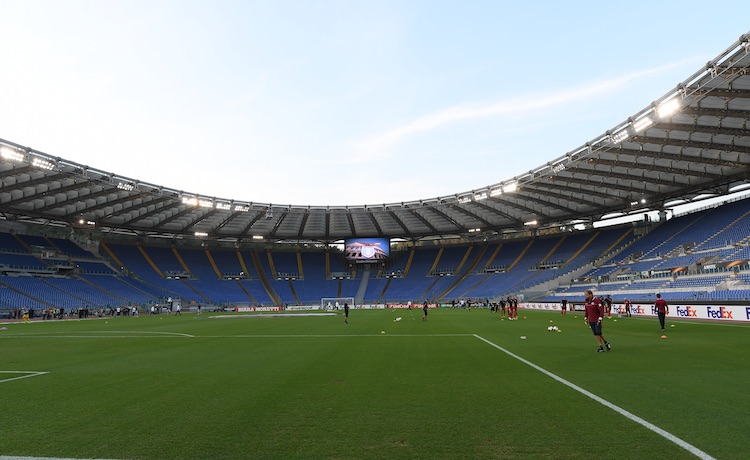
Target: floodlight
x=480 y=196
x=619 y=136
x=201 y=234
x=127 y=186
x=43 y=164
x=464 y=199
x=496 y=192
x=530 y=223
x=190 y=201
x=206 y=203
x=223 y=206
x=642 y=124
x=668 y=108
x=257 y=237
x=10 y=154
x=510 y=187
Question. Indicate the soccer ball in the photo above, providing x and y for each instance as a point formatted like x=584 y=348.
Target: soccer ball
x=549 y=328
x=398 y=319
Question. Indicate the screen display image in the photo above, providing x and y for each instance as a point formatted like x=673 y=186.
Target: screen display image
x=366 y=249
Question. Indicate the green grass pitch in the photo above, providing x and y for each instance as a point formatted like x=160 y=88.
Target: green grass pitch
x=203 y=387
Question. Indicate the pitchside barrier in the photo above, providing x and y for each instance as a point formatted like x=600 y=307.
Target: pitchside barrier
x=732 y=313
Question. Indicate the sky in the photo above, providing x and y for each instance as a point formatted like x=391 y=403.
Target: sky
x=339 y=102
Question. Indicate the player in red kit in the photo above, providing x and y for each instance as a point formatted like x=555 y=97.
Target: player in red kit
x=661 y=310
x=593 y=317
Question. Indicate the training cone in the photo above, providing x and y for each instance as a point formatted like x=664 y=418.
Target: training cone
x=664 y=337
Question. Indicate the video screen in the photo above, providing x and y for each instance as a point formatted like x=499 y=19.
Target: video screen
x=366 y=249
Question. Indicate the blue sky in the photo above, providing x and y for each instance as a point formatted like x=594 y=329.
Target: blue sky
x=339 y=102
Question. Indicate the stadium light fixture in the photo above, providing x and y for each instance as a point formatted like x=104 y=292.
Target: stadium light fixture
x=257 y=237
x=480 y=196
x=42 y=164
x=10 y=154
x=642 y=124
x=496 y=192
x=201 y=234
x=127 y=186
x=190 y=201
x=668 y=108
x=619 y=136
x=464 y=199
x=530 y=223
x=223 y=206
x=510 y=187
x=205 y=203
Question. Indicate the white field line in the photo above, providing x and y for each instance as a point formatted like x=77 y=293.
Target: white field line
x=324 y=336
x=104 y=335
x=13 y=457
x=29 y=374
x=272 y=315
x=669 y=436
x=247 y=336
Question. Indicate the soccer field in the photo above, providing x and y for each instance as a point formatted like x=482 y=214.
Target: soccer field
x=463 y=385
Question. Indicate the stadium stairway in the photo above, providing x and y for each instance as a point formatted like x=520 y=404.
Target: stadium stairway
x=464 y=274
x=359 y=298
x=272 y=294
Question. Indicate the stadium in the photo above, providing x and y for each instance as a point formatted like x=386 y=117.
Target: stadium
x=259 y=366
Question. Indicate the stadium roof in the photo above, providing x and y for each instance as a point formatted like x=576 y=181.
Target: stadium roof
x=692 y=143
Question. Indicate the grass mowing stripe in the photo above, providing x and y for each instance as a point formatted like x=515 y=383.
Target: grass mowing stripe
x=665 y=434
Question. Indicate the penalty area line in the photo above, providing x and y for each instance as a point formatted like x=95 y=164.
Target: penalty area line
x=663 y=433
x=29 y=374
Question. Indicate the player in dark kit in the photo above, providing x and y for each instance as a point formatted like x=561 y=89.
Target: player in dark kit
x=661 y=310
x=564 y=306
x=346 y=313
x=593 y=317
x=424 y=308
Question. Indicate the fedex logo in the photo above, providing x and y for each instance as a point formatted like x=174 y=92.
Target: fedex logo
x=687 y=311
x=720 y=313
x=747 y=312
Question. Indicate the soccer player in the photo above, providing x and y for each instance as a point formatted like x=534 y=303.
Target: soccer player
x=608 y=305
x=26 y=318
x=593 y=317
x=346 y=313
x=627 y=308
x=178 y=309
x=564 y=306
x=661 y=310
x=424 y=309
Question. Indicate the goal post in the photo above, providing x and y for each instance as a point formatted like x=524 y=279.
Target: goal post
x=330 y=303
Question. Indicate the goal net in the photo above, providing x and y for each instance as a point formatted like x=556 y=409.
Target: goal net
x=335 y=303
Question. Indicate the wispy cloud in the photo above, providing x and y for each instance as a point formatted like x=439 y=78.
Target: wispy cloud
x=378 y=144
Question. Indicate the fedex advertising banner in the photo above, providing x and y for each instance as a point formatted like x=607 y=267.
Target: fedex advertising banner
x=715 y=312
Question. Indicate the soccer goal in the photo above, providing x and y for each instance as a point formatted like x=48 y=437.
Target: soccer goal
x=335 y=303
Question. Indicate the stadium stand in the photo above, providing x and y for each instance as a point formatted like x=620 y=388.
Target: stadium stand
x=701 y=256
